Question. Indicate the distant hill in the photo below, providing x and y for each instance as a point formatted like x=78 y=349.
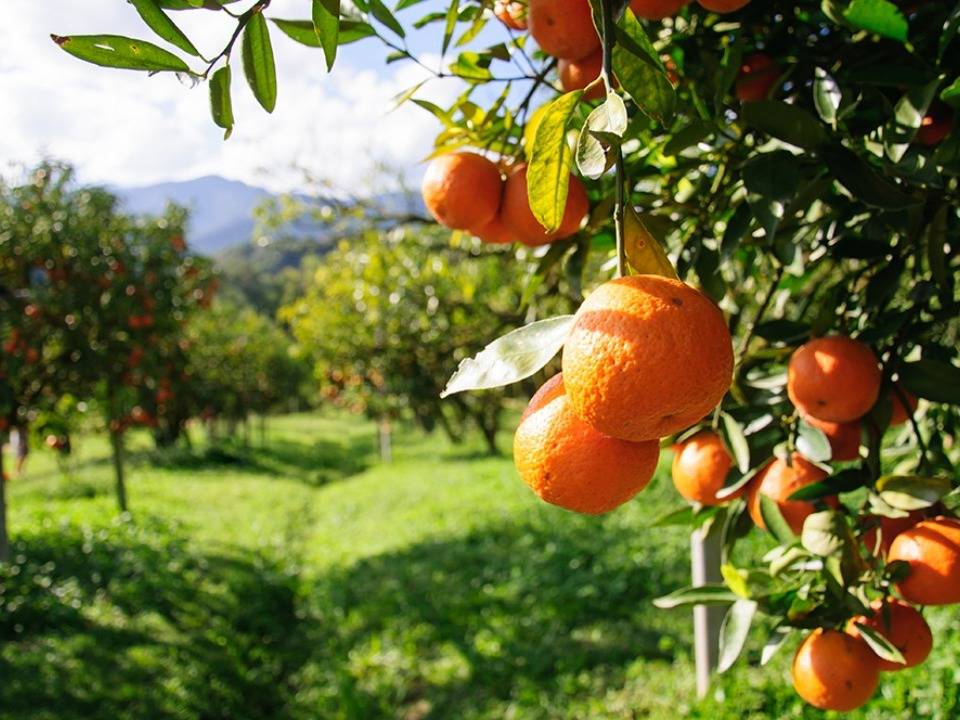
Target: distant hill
x=221 y=210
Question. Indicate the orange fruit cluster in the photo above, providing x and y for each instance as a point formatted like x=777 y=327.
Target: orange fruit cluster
x=466 y=191
x=590 y=441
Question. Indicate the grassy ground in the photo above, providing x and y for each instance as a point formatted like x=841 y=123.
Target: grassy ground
x=304 y=579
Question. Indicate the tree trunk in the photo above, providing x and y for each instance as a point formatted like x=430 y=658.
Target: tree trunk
x=4 y=540
x=263 y=430
x=116 y=443
x=386 y=446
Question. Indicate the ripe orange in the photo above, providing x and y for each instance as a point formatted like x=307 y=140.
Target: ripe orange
x=570 y=464
x=758 y=74
x=903 y=626
x=511 y=13
x=495 y=232
x=899 y=414
x=835 y=671
x=519 y=219
x=778 y=481
x=462 y=190
x=722 y=6
x=932 y=548
x=656 y=9
x=563 y=28
x=835 y=378
x=888 y=529
x=577 y=74
x=647 y=356
x=700 y=467
x=844 y=437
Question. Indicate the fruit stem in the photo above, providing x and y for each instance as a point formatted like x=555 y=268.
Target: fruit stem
x=608 y=36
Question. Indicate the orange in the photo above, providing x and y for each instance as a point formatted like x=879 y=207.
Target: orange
x=656 y=9
x=700 y=467
x=903 y=626
x=647 y=356
x=899 y=414
x=520 y=221
x=835 y=671
x=577 y=74
x=758 y=74
x=888 y=529
x=844 y=437
x=568 y=463
x=722 y=6
x=495 y=232
x=462 y=190
x=778 y=481
x=835 y=378
x=511 y=13
x=932 y=548
x=563 y=28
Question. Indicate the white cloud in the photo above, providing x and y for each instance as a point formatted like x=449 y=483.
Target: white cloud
x=123 y=127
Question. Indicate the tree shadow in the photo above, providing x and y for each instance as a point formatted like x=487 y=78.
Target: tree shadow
x=446 y=627
x=128 y=621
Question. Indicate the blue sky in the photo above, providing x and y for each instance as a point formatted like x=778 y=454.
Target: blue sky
x=123 y=127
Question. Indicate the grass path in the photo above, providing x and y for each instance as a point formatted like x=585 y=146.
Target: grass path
x=304 y=579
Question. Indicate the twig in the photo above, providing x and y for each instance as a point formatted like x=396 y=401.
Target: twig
x=745 y=343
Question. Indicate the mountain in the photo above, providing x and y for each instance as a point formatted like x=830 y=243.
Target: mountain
x=221 y=210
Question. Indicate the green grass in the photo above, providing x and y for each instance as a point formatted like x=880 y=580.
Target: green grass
x=304 y=579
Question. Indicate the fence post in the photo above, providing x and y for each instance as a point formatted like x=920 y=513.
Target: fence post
x=705 y=550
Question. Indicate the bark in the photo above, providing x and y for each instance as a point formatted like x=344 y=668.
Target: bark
x=116 y=443
x=4 y=539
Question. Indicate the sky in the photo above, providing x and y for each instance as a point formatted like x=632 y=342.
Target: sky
x=122 y=127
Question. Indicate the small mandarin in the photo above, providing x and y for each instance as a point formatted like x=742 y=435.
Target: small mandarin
x=778 y=481
x=462 y=190
x=700 y=467
x=932 y=549
x=833 y=670
x=903 y=626
x=834 y=378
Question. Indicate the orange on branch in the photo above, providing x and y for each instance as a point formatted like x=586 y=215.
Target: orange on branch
x=700 y=467
x=723 y=6
x=935 y=125
x=833 y=670
x=879 y=538
x=577 y=74
x=758 y=74
x=932 y=549
x=901 y=624
x=563 y=28
x=844 y=437
x=647 y=356
x=834 y=378
x=462 y=190
x=778 y=481
x=520 y=221
x=568 y=463
x=899 y=414
x=495 y=232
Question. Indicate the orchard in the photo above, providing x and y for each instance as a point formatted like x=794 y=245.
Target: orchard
x=738 y=224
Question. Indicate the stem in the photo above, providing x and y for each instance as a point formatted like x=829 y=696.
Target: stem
x=609 y=32
x=116 y=443
x=242 y=21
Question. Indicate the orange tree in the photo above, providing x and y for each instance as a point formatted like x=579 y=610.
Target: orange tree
x=797 y=162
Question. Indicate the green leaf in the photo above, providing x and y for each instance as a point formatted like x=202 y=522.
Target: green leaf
x=326 y=25
x=774 y=175
x=258 y=64
x=908 y=114
x=824 y=533
x=912 y=492
x=841 y=482
x=826 y=96
x=688 y=515
x=157 y=20
x=932 y=380
x=548 y=173
x=221 y=105
x=733 y=487
x=736 y=441
x=710 y=594
x=786 y=122
x=735 y=579
x=862 y=181
x=120 y=52
x=878 y=16
x=777 y=638
x=773 y=519
x=511 y=357
x=450 y=24
x=812 y=443
x=636 y=64
x=734 y=631
x=882 y=647
x=603 y=129
x=951 y=93
x=383 y=14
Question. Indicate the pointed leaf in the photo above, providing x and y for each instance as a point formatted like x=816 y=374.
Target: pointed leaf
x=120 y=52
x=548 y=174
x=326 y=24
x=911 y=492
x=812 y=443
x=603 y=129
x=878 y=16
x=644 y=252
x=932 y=380
x=823 y=533
x=737 y=442
x=511 y=357
x=734 y=631
x=157 y=20
x=773 y=519
x=221 y=105
x=711 y=594
x=258 y=64
x=881 y=647
x=789 y=123
x=777 y=638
